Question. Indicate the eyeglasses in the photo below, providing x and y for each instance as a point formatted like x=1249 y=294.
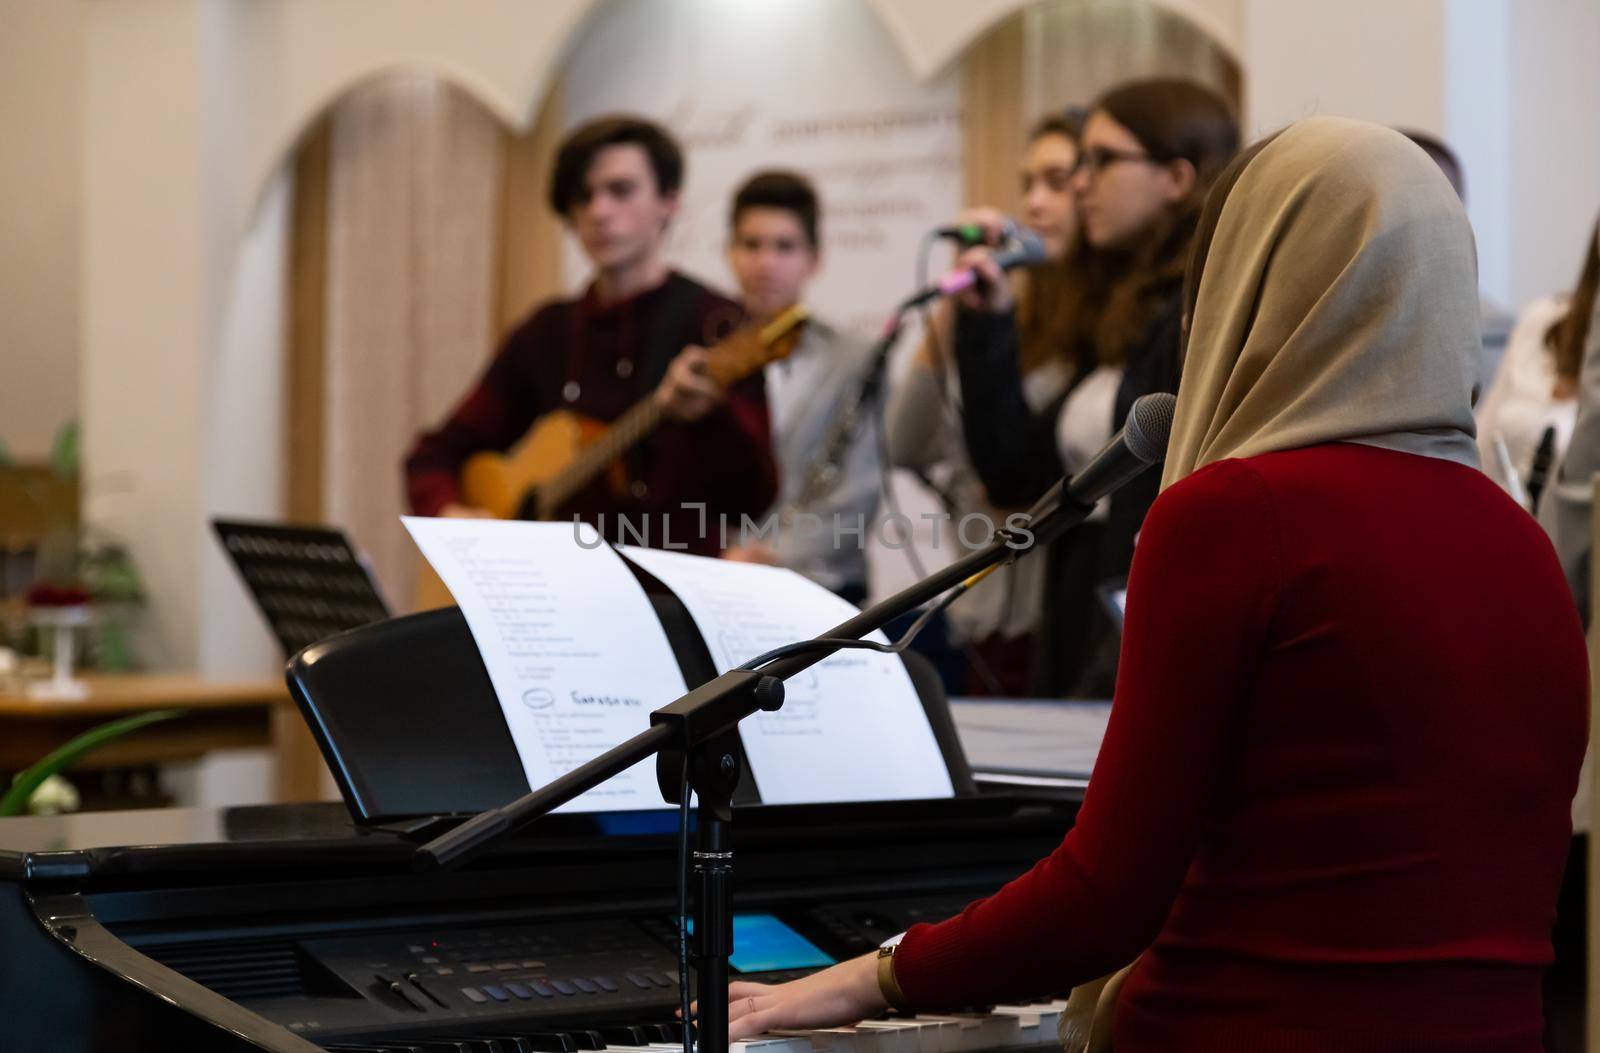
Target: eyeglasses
x=1096 y=159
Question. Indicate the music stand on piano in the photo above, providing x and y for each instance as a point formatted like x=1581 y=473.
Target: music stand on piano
x=408 y=721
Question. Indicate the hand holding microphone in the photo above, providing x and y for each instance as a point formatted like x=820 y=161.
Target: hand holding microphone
x=983 y=267
x=991 y=288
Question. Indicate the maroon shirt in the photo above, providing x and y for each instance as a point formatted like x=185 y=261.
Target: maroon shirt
x=589 y=357
x=1332 y=806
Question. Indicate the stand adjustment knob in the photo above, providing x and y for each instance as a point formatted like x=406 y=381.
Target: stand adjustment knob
x=769 y=694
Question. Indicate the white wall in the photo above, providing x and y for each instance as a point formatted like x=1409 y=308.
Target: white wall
x=1512 y=85
x=1477 y=124
x=191 y=107
x=41 y=116
x=1554 y=142
x=245 y=416
x=145 y=290
x=1380 y=60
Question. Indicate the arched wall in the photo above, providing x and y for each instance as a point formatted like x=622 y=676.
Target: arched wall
x=305 y=56
x=190 y=107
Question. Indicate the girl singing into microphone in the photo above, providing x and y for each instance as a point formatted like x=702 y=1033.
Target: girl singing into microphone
x=1149 y=152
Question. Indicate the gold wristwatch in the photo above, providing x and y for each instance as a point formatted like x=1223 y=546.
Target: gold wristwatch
x=887 y=984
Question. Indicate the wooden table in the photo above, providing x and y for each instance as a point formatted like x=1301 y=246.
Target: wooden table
x=221 y=715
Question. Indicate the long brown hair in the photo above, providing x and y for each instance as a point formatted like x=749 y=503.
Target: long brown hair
x=1173 y=120
x=1045 y=312
x=1566 y=336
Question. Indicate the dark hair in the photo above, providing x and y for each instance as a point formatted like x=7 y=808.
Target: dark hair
x=1566 y=336
x=789 y=191
x=1066 y=122
x=568 y=179
x=1442 y=156
x=1173 y=120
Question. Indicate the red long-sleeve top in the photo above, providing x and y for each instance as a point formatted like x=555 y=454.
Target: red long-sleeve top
x=1332 y=805
x=589 y=357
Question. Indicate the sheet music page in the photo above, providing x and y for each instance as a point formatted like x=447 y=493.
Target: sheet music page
x=851 y=728
x=572 y=644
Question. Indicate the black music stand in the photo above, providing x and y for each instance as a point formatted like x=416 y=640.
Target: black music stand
x=308 y=582
x=408 y=721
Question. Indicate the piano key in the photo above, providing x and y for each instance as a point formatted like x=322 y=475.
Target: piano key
x=773 y=1044
x=627 y=1035
x=976 y=1032
x=548 y=1041
x=511 y=1043
x=1047 y=1017
x=849 y=1040
x=932 y=1036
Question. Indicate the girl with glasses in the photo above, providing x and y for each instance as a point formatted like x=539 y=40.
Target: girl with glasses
x=1149 y=151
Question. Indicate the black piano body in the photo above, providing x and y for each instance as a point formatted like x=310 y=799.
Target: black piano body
x=290 y=929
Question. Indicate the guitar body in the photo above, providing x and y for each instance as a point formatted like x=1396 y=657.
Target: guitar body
x=500 y=483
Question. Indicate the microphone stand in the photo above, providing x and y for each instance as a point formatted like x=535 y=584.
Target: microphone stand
x=703 y=725
x=872 y=378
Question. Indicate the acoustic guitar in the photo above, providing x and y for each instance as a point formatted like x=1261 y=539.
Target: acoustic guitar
x=565 y=452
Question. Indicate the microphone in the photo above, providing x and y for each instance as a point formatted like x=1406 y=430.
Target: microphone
x=1141 y=443
x=970 y=234
x=1025 y=250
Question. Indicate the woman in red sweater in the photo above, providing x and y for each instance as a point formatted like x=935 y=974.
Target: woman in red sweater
x=1331 y=810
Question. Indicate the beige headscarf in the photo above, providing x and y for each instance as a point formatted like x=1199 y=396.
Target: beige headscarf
x=1339 y=302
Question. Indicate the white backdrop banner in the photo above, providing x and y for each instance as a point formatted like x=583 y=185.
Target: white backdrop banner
x=816 y=86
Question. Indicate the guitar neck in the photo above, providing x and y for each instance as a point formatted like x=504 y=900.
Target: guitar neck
x=623 y=434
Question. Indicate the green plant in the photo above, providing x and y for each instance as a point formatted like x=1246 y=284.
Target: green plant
x=15 y=801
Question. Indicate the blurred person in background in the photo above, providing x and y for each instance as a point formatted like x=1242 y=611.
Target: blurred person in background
x=1149 y=152
x=1525 y=420
x=774 y=251
x=997 y=619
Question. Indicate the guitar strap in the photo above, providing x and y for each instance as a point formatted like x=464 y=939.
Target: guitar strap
x=667 y=338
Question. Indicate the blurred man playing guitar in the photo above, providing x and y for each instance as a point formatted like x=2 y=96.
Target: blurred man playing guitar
x=638 y=334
